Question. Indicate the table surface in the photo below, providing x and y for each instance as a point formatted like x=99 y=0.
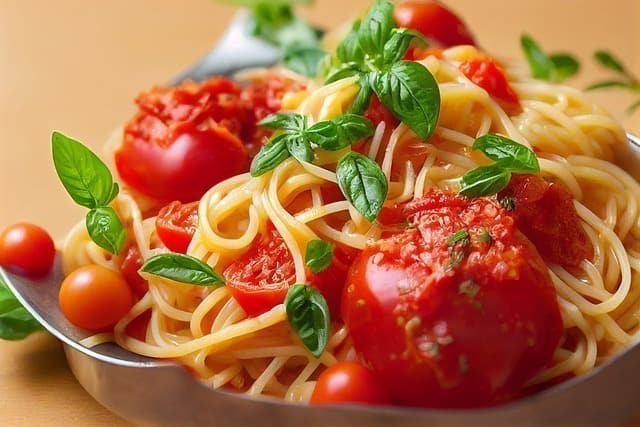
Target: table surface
x=75 y=66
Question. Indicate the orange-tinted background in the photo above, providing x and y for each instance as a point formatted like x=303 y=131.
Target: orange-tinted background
x=76 y=65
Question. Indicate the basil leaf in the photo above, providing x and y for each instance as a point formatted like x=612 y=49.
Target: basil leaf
x=284 y=121
x=105 y=229
x=564 y=66
x=270 y=155
x=633 y=107
x=376 y=28
x=299 y=147
x=397 y=45
x=509 y=154
x=363 y=98
x=308 y=315
x=340 y=132
x=304 y=60
x=85 y=177
x=484 y=181
x=342 y=72
x=275 y=22
x=610 y=84
x=411 y=93
x=182 y=268
x=541 y=65
x=17 y=324
x=607 y=60
x=363 y=183
x=349 y=50
x=318 y=255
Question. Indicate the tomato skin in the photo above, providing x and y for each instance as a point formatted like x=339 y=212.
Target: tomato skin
x=95 y=298
x=176 y=224
x=547 y=216
x=377 y=113
x=434 y=21
x=138 y=327
x=349 y=382
x=131 y=264
x=259 y=280
x=487 y=74
x=26 y=249
x=454 y=335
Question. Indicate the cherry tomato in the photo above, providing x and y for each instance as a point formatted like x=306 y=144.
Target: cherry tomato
x=184 y=140
x=260 y=279
x=349 y=382
x=377 y=112
x=488 y=75
x=176 y=224
x=137 y=328
x=95 y=298
x=547 y=216
x=433 y=20
x=456 y=311
x=131 y=264
x=26 y=249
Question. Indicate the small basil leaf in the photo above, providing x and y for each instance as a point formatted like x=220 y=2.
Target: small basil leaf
x=339 y=132
x=105 y=229
x=363 y=98
x=299 y=147
x=85 y=177
x=182 y=268
x=304 y=60
x=342 y=72
x=17 y=324
x=607 y=60
x=363 y=183
x=397 y=45
x=484 y=181
x=541 y=65
x=610 y=84
x=318 y=255
x=308 y=315
x=349 y=50
x=376 y=28
x=270 y=155
x=510 y=155
x=275 y=22
x=284 y=121
x=411 y=93
x=564 y=66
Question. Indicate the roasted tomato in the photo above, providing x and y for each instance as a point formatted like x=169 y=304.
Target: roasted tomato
x=176 y=224
x=260 y=279
x=130 y=266
x=487 y=74
x=184 y=140
x=547 y=216
x=349 y=382
x=433 y=20
x=456 y=311
x=26 y=249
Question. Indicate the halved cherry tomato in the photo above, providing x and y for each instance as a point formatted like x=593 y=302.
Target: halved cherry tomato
x=377 y=112
x=260 y=279
x=456 y=311
x=176 y=224
x=547 y=216
x=433 y=20
x=95 y=298
x=487 y=74
x=26 y=249
x=184 y=140
x=131 y=264
x=349 y=382
x=138 y=326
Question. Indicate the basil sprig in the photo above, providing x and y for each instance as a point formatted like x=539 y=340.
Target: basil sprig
x=363 y=183
x=16 y=322
x=509 y=156
x=90 y=184
x=308 y=315
x=182 y=268
x=373 y=51
x=555 y=68
x=318 y=255
x=625 y=79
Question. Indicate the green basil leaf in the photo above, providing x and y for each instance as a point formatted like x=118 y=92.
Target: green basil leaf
x=339 y=132
x=541 y=65
x=342 y=72
x=633 y=107
x=7 y=301
x=275 y=22
x=17 y=324
x=363 y=98
x=508 y=153
x=304 y=60
x=105 y=229
x=610 y=84
x=299 y=147
x=607 y=60
x=349 y=50
x=564 y=66
x=318 y=255
x=397 y=45
x=285 y=121
x=411 y=93
x=376 y=28
x=270 y=155
x=308 y=315
x=85 y=177
x=363 y=183
x=484 y=181
x=182 y=268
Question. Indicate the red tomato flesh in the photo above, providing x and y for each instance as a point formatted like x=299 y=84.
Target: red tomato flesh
x=349 y=382
x=26 y=249
x=487 y=74
x=131 y=264
x=176 y=224
x=453 y=325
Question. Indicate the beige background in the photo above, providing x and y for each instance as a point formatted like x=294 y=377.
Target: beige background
x=76 y=65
